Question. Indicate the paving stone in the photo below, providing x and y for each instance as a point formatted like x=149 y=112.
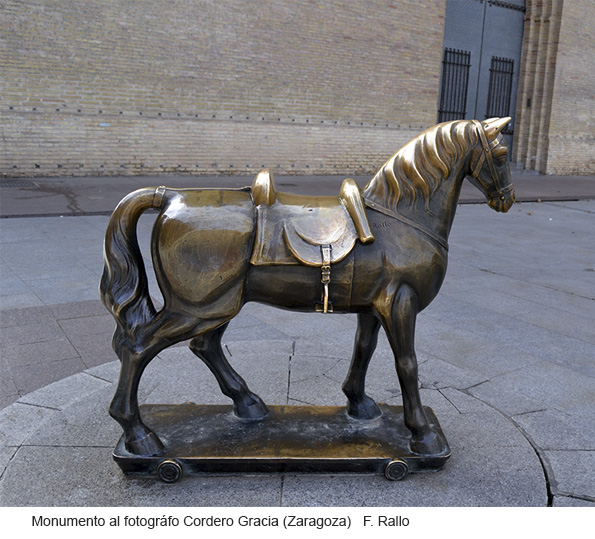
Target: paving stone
x=35 y=353
x=29 y=378
x=573 y=472
x=88 y=477
x=31 y=333
x=109 y=372
x=82 y=423
x=30 y=315
x=16 y=231
x=81 y=286
x=317 y=391
x=94 y=349
x=17 y=301
x=88 y=325
x=79 y=309
x=19 y=421
x=567 y=501
x=453 y=340
x=6 y=455
x=471 y=479
x=555 y=430
x=483 y=429
x=441 y=374
x=472 y=282
x=463 y=402
x=435 y=400
x=11 y=284
x=571 y=392
x=64 y=392
x=246 y=327
x=8 y=396
x=505 y=398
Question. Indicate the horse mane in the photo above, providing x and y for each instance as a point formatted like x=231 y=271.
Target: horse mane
x=419 y=167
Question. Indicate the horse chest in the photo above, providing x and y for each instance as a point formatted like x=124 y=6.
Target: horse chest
x=399 y=255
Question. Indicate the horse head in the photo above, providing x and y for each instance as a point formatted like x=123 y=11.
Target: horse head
x=489 y=167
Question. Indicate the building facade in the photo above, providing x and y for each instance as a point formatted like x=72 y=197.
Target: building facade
x=555 y=112
x=232 y=86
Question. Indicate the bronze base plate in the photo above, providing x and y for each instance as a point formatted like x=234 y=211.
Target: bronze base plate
x=210 y=439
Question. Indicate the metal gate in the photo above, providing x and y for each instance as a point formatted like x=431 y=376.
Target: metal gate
x=455 y=80
x=500 y=89
x=481 y=60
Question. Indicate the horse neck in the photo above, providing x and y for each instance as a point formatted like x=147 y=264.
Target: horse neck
x=436 y=213
x=444 y=201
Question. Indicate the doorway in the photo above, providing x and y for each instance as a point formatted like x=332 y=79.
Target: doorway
x=481 y=60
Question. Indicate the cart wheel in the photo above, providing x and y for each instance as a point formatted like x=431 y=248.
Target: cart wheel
x=169 y=471
x=396 y=470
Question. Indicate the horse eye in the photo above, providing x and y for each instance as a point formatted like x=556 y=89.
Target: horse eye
x=500 y=157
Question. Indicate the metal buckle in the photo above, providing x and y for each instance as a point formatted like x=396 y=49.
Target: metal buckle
x=325 y=306
x=158 y=196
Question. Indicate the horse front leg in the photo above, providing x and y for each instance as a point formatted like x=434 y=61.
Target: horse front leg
x=400 y=329
x=246 y=405
x=360 y=405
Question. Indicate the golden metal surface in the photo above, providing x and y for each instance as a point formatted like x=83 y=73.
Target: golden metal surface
x=353 y=201
x=215 y=250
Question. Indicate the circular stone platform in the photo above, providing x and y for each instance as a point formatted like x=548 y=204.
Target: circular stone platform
x=56 y=449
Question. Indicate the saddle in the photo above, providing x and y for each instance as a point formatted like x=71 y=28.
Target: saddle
x=315 y=231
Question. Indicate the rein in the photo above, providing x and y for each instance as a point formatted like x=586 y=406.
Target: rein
x=392 y=213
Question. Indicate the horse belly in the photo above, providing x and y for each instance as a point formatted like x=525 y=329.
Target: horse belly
x=202 y=243
x=299 y=287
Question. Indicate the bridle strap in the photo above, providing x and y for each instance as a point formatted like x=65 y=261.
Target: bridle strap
x=487 y=155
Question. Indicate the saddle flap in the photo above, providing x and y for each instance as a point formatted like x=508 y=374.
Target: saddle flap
x=306 y=247
x=290 y=229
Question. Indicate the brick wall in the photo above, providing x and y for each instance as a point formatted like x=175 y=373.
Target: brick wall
x=146 y=86
x=572 y=123
x=556 y=106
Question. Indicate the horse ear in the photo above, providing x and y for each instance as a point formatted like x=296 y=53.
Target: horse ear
x=493 y=126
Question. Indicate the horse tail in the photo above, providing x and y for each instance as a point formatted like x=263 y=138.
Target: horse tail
x=124 y=287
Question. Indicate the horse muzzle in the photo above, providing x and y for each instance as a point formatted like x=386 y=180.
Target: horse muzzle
x=503 y=200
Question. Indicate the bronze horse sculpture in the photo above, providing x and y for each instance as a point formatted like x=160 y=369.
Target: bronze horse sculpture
x=204 y=247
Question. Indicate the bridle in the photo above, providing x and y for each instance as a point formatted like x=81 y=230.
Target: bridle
x=495 y=190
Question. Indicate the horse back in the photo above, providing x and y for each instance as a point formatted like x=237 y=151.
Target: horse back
x=201 y=247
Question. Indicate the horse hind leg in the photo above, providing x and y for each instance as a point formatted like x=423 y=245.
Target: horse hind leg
x=207 y=347
x=360 y=405
x=138 y=438
x=136 y=350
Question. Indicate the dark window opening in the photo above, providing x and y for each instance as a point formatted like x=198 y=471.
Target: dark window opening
x=455 y=82
x=500 y=89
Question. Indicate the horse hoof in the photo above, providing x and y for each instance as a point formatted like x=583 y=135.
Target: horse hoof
x=365 y=409
x=149 y=446
x=253 y=411
x=430 y=444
